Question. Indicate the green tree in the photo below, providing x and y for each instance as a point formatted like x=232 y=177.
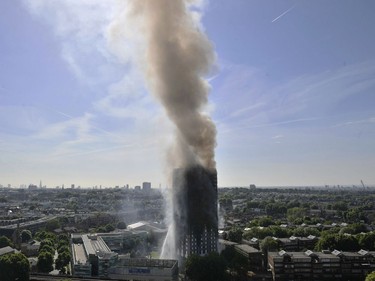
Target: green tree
x=266 y=221
x=5 y=241
x=347 y=243
x=45 y=262
x=258 y=232
x=338 y=242
x=47 y=245
x=236 y=262
x=279 y=232
x=355 y=215
x=63 y=259
x=340 y=206
x=370 y=276
x=346 y=230
x=41 y=235
x=121 y=225
x=367 y=241
x=235 y=235
x=63 y=238
x=276 y=208
x=47 y=241
x=53 y=224
x=269 y=244
x=47 y=248
x=14 y=267
x=208 y=268
x=109 y=227
x=299 y=232
x=311 y=231
x=293 y=204
x=26 y=236
x=295 y=213
x=63 y=248
x=327 y=242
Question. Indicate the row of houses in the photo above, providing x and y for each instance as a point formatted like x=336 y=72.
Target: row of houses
x=309 y=265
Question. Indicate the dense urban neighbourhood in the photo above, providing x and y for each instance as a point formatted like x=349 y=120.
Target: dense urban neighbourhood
x=260 y=230
x=298 y=211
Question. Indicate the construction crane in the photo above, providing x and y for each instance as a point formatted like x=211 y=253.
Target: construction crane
x=363 y=184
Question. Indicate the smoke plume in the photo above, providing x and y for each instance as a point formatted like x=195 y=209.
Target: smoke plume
x=178 y=55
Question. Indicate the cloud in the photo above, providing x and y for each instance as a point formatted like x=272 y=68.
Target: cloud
x=273 y=124
x=367 y=121
x=80 y=26
x=77 y=128
x=277 y=137
x=101 y=46
x=250 y=101
x=21 y=118
x=127 y=98
x=243 y=111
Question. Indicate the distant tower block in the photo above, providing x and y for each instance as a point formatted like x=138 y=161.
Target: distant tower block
x=146 y=185
x=195 y=211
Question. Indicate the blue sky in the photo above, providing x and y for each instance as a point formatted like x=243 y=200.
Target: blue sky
x=292 y=94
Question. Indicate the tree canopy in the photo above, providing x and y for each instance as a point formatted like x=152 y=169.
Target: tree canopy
x=26 y=235
x=14 y=267
x=208 y=268
x=370 y=276
x=45 y=262
x=339 y=242
x=5 y=241
x=235 y=235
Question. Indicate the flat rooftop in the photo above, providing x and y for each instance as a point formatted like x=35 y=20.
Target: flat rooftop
x=94 y=244
x=246 y=248
x=160 y=263
x=79 y=254
x=88 y=245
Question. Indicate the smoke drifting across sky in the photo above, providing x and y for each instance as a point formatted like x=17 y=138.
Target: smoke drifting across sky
x=177 y=56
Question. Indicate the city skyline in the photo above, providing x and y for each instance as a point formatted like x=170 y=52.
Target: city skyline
x=292 y=95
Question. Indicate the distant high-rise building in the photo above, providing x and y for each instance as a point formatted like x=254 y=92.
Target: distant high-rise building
x=146 y=185
x=32 y=187
x=195 y=211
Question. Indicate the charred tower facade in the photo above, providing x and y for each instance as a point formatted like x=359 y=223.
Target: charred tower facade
x=195 y=210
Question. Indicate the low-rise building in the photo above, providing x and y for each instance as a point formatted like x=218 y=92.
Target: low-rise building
x=144 y=270
x=91 y=257
x=311 y=265
x=7 y=250
x=116 y=240
x=30 y=248
x=294 y=243
x=253 y=256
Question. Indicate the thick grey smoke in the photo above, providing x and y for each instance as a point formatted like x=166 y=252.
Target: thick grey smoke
x=178 y=55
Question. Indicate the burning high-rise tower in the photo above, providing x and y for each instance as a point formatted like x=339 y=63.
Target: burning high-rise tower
x=195 y=210
x=177 y=60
